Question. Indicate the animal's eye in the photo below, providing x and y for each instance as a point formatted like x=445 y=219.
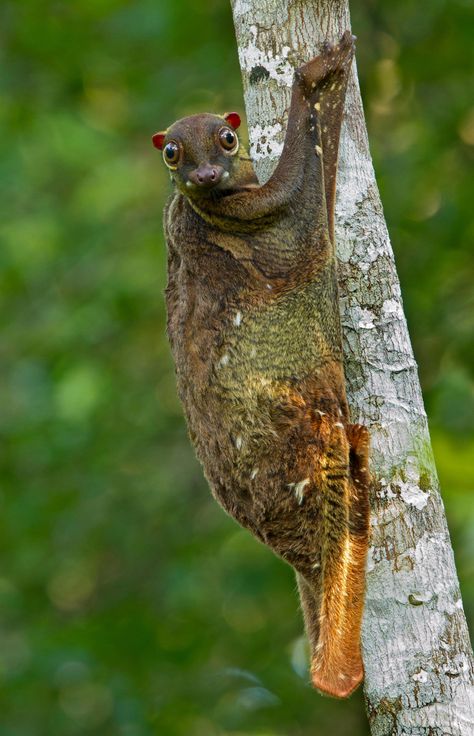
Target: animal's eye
x=227 y=138
x=171 y=153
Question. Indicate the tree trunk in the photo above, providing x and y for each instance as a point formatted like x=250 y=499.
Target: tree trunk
x=417 y=655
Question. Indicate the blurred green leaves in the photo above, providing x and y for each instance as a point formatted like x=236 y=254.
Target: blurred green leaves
x=130 y=605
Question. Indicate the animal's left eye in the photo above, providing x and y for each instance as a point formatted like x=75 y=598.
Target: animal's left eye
x=227 y=138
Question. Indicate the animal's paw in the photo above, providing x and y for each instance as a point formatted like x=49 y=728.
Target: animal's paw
x=340 y=51
x=332 y=59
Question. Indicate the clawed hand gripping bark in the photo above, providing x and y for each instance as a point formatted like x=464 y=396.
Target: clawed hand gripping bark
x=253 y=322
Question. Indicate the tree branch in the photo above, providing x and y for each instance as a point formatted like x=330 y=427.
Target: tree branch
x=417 y=655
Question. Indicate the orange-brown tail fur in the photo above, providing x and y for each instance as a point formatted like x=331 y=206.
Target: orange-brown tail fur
x=333 y=606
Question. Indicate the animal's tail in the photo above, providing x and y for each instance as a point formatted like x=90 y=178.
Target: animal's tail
x=333 y=606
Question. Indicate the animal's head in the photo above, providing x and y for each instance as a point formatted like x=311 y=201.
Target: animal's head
x=203 y=153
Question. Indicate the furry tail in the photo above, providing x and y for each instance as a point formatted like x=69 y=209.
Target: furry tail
x=333 y=607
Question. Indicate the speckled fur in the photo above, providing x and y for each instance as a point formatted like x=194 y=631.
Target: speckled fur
x=253 y=322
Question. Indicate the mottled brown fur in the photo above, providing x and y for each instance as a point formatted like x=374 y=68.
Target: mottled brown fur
x=254 y=328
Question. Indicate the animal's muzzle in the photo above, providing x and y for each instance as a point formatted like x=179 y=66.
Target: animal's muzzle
x=206 y=175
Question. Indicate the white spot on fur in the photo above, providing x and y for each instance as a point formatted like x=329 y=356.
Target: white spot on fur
x=269 y=286
x=238 y=319
x=316 y=566
x=317 y=106
x=238 y=442
x=253 y=474
x=339 y=424
x=225 y=359
x=298 y=489
x=225 y=175
x=318 y=150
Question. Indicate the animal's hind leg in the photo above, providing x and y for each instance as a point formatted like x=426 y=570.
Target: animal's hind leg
x=325 y=79
x=359 y=441
x=359 y=510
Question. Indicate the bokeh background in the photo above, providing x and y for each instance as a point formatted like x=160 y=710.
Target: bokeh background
x=130 y=605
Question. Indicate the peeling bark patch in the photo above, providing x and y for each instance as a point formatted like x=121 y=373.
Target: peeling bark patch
x=414 y=600
x=415 y=496
x=265 y=141
x=258 y=74
x=420 y=676
x=410 y=489
x=275 y=63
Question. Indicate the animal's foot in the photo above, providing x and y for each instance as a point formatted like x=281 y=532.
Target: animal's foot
x=359 y=439
x=332 y=59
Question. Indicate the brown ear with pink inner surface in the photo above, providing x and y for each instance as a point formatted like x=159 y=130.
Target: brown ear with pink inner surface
x=233 y=118
x=158 y=139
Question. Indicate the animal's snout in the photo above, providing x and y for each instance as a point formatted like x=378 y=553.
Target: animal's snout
x=206 y=175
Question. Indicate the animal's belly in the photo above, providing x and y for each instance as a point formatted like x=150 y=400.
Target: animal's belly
x=254 y=396
x=248 y=378
x=291 y=338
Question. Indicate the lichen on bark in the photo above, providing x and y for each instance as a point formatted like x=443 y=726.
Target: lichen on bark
x=417 y=655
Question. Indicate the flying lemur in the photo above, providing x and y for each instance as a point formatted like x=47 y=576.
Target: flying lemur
x=253 y=322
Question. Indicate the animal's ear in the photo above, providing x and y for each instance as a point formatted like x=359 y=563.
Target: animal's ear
x=158 y=139
x=233 y=118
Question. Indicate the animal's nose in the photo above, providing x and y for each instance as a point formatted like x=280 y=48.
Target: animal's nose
x=207 y=175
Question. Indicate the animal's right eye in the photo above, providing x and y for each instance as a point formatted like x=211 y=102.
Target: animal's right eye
x=171 y=154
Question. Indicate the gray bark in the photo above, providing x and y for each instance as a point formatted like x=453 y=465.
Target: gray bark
x=417 y=655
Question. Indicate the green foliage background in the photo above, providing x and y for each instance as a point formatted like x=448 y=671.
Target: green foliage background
x=130 y=605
